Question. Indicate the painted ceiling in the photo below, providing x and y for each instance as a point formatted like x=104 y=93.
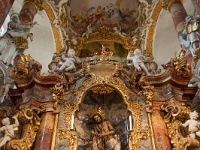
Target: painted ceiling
x=123 y=13
x=74 y=16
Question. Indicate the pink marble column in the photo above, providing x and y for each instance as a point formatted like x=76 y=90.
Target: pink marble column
x=161 y=138
x=45 y=133
x=5 y=6
x=178 y=13
x=160 y=132
x=28 y=12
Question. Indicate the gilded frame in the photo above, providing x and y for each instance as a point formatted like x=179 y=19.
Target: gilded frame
x=89 y=84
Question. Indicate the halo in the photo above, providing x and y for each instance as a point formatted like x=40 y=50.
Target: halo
x=97 y=111
x=14 y=14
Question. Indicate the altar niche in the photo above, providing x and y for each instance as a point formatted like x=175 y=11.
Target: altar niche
x=112 y=109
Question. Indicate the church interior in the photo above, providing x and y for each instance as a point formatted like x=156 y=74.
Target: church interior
x=99 y=75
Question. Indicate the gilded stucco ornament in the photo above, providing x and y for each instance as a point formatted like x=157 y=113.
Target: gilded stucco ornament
x=147 y=92
x=21 y=69
x=50 y=8
x=117 y=83
x=151 y=29
x=70 y=136
x=102 y=89
x=30 y=120
x=102 y=85
x=103 y=33
x=181 y=66
x=178 y=113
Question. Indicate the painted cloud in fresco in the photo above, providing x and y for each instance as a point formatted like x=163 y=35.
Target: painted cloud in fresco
x=112 y=13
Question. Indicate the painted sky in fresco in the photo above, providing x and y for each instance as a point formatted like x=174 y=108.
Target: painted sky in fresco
x=121 y=13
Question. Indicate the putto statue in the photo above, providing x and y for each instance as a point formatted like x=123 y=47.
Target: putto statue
x=193 y=125
x=68 y=64
x=88 y=32
x=8 y=130
x=118 y=32
x=137 y=60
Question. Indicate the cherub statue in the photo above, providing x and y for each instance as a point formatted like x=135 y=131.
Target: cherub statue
x=118 y=32
x=137 y=60
x=8 y=130
x=68 y=64
x=88 y=32
x=193 y=125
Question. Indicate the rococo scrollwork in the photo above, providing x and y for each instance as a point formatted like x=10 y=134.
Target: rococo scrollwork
x=176 y=116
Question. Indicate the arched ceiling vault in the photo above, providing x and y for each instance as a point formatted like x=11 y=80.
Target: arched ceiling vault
x=62 y=21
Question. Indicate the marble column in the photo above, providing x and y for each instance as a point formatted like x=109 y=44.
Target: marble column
x=45 y=133
x=28 y=12
x=161 y=138
x=5 y=6
x=178 y=13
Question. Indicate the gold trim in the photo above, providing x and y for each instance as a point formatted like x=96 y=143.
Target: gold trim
x=56 y=32
x=147 y=92
x=104 y=33
x=176 y=113
x=117 y=84
x=31 y=123
x=151 y=29
x=54 y=133
x=114 y=82
x=151 y=132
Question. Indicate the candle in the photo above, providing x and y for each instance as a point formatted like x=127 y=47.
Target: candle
x=130 y=123
x=72 y=122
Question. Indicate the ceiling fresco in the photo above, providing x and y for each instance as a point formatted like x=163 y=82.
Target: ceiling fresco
x=120 y=13
x=77 y=19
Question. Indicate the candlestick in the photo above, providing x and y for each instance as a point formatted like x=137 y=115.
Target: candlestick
x=130 y=123
x=72 y=122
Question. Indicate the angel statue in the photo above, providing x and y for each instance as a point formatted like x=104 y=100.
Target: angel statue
x=88 y=32
x=193 y=125
x=118 y=32
x=68 y=63
x=137 y=60
x=8 y=130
